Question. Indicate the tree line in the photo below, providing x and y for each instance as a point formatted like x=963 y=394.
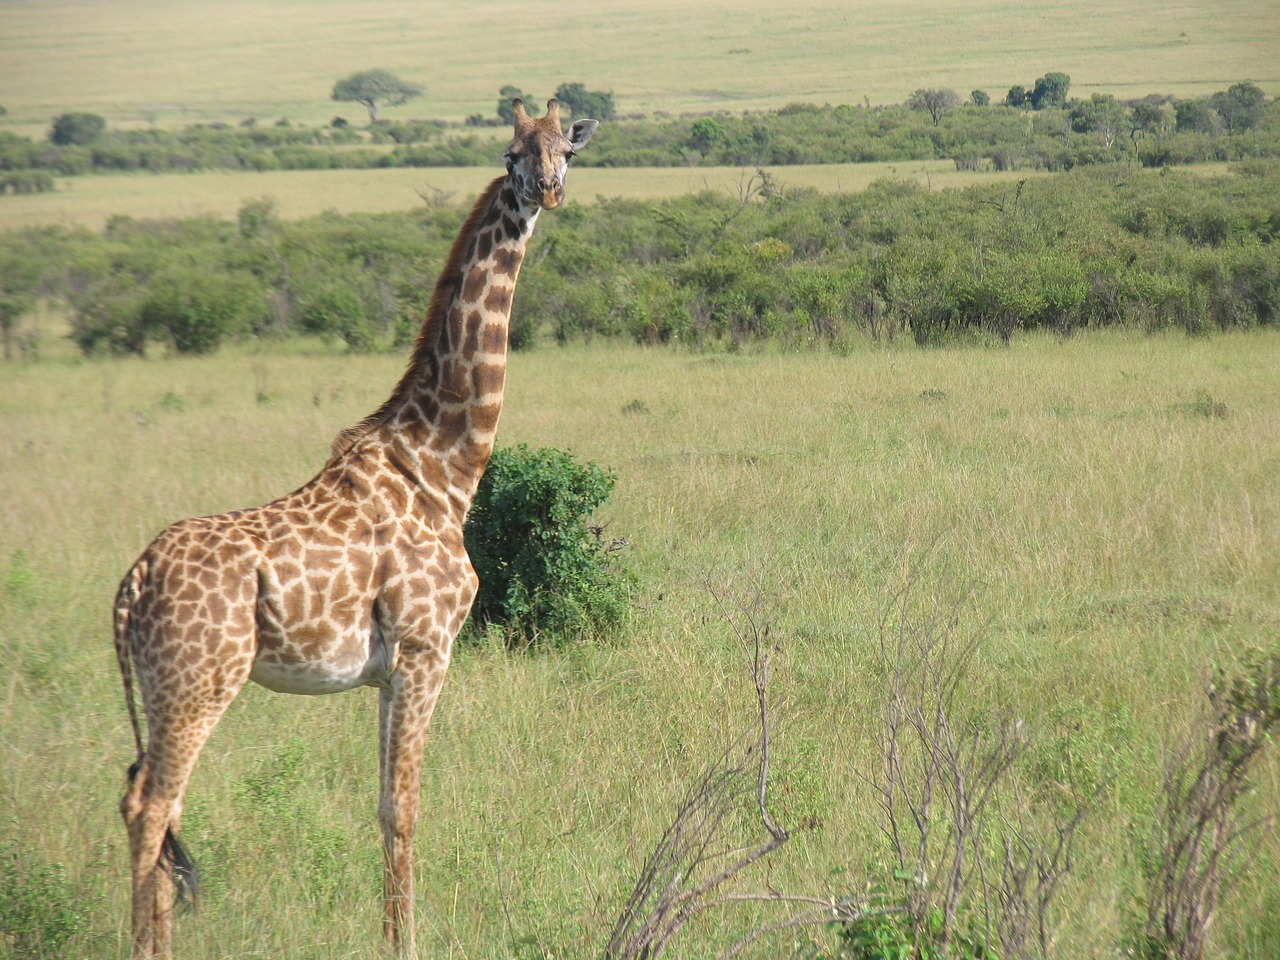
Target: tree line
x=1089 y=248
x=1040 y=130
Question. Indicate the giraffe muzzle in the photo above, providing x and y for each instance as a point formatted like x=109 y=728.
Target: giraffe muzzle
x=551 y=193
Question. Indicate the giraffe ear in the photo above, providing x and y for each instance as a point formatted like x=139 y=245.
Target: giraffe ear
x=581 y=132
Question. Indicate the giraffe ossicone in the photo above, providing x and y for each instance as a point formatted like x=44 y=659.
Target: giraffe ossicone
x=357 y=578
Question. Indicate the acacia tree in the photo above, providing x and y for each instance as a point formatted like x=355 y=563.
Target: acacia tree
x=1147 y=118
x=1102 y=114
x=934 y=102
x=705 y=134
x=372 y=87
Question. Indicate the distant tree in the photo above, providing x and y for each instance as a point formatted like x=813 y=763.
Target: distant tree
x=934 y=102
x=1195 y=116
x=1240 y=107
x=1016 y=97
x=706 y=133
x=1049 y=91
x=1147 y=118
x=580 y=102
x=980 y=98
x=4 y=112
x=1102 y=114
x=374 y=87
x=506 y=111
x=77 y=129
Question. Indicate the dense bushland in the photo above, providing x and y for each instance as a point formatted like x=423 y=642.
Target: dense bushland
x=1089 y=249
x=1157 y=131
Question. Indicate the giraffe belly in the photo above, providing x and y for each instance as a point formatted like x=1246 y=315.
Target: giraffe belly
x=312 y=669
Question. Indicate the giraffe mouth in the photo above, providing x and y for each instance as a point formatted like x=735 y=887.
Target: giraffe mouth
x=546 y=199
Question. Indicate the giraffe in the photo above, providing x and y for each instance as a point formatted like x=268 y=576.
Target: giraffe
x=358 y=578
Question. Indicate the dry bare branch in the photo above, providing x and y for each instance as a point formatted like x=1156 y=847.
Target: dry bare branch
x=1199 y=839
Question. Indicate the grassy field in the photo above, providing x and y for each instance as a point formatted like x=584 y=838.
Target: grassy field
x=91 y=201
x=1109 y=502
x=179 y=61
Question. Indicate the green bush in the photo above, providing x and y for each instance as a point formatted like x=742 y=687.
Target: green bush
x=893 y=936
x=39 y=910
x=545 y=571
x=196 y=311
x=335 y=308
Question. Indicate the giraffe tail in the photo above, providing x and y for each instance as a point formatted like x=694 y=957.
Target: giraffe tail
x=123 y=616
x=173 y=855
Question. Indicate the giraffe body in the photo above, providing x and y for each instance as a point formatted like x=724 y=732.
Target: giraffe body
x=358 y=578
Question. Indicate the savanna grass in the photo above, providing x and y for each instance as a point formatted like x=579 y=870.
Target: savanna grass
x=1114 y=541
x=176 y=63
x=92 y=200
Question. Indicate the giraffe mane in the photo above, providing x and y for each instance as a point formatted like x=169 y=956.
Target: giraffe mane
x=449 y=281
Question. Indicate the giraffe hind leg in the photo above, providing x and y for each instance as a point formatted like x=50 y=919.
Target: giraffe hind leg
x=175 y=860
x=152 y=805
x=148 y=824
x=160 y=866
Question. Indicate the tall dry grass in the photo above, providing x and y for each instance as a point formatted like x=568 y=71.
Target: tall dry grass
x=1108 y=502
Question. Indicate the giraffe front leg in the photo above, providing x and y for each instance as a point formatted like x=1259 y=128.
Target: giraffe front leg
x=406 y=708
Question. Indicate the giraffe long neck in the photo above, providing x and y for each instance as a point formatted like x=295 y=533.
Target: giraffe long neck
x=443 y=415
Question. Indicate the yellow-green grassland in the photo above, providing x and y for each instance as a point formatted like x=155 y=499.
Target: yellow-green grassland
x=180 y=61
x=1093 y=519
x=1105 y=505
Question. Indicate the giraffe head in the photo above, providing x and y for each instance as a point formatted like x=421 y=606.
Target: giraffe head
x=539 y=155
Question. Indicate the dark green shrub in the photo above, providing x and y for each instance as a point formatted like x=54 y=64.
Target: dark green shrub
x=893 y=936
x=545 y=571
x=106 y=316
x=335 y=308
